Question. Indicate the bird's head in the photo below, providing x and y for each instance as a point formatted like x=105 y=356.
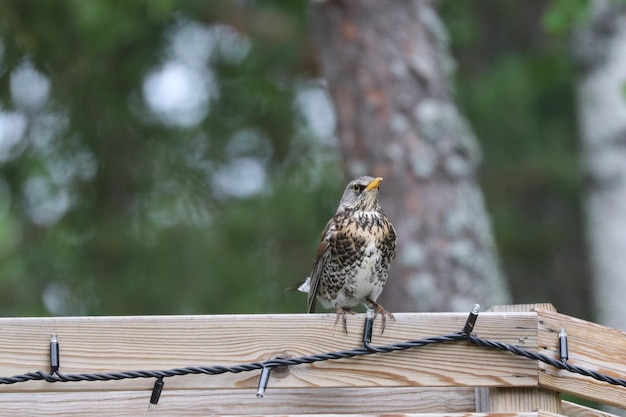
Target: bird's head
x=361 y=194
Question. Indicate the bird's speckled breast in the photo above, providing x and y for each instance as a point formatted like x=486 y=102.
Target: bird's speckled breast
x=361 y=251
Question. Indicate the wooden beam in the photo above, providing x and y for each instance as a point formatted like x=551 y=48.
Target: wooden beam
x=220 y=402
x=374 y=385
x=591 y=346
x=576 y=410
x=113 y=344
x=418 y=415
x=543 y=413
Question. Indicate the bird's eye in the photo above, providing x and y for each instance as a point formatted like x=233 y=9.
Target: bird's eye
x=358 y=188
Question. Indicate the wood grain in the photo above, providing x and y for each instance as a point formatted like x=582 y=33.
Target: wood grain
x=499 y=399
x=221 y=402
x=576 y=410
x=591 y=346
x=437 y=380
x=112 y=344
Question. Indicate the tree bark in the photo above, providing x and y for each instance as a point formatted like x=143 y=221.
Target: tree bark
x=600 y=49
x=387 y=67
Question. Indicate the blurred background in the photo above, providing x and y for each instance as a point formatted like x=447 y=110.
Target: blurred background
x=180 y=157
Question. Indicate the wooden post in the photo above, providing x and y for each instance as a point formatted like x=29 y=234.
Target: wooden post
x=500 y=399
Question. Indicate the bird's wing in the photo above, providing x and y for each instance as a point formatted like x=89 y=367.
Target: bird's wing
x=322 y=256
x=392 y=239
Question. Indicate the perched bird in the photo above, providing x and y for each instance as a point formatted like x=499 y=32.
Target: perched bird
x=354 y=254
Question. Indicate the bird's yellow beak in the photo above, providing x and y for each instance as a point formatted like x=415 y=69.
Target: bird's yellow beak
x=374 y=184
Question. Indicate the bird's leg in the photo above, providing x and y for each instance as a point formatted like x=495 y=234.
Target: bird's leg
x=341 y=312
x=378 y=309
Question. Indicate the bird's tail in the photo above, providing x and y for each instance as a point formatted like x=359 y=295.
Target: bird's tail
x=303 y=286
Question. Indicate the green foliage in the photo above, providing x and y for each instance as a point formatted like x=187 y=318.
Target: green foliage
x=563 y=15
x=143 y=227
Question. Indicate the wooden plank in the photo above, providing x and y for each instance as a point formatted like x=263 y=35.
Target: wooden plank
x=591 y=346
x=522 y=399
x=113 y=344
x=522 y=307
x=500 y=399
x=576 y=410
x=221 y=402
x=414 y=415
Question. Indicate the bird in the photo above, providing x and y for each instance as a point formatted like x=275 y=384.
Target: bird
x=353 y=257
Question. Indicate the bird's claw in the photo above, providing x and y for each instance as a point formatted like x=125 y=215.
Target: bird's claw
x=379 y=309
x=341 y=312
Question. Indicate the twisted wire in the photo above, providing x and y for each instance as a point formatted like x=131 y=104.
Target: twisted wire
x=546 y=359
x=367 y=349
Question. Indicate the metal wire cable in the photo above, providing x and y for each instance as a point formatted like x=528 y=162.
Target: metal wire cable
x=218 y=369
x=546 y=359
x=367 y=349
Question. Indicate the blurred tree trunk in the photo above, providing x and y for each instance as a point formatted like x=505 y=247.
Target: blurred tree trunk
x=600 y=50
x=387 y=66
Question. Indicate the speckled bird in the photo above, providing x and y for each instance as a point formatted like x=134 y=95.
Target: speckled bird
x=352 y=262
